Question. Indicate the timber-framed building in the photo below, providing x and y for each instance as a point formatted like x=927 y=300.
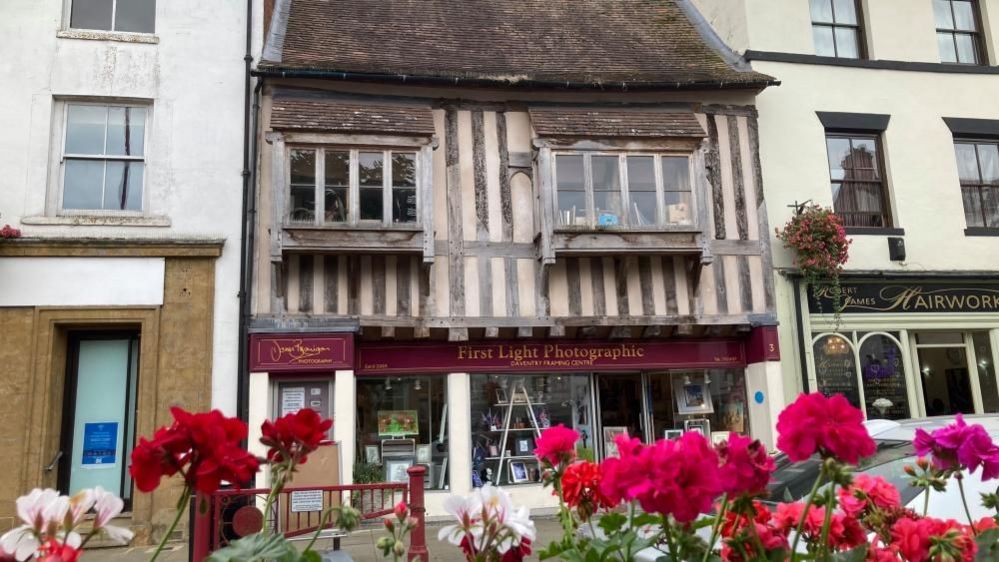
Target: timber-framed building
x=475 y=220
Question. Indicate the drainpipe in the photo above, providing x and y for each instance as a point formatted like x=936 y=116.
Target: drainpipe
x=248 y=216
x=801 y=335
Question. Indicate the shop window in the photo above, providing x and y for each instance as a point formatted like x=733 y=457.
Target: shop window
x=401 y=422
x=835 y=367
x=883 y=373
x=317 y=394
x=509 y=412
x=714 y=400
x=986 y=367
x=636 y=191
x=859 y=190
x=342 y=186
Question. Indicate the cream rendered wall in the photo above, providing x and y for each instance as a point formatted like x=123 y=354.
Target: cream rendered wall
x=193 y=76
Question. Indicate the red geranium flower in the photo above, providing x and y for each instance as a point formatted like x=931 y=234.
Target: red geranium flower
x=294 y=436
x=867 y=492
x=53 y=551
x=581 y=488
x=557 y=445
x=829 y=426
x=205 y=447
x=740 y=539
x=746 y=466
x=845 y=532
x=923 y=538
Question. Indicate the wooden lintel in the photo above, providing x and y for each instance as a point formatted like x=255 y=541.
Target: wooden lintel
x=110 y=247
x=352 y=241
x=603 y=243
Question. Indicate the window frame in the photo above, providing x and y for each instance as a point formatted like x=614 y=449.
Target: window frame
x=68 y=9
x=625 y=226
x=63 y=156
x=353 y=189
x=857 y=27
x=977 y=35
x=887 y=214
x=980 y=184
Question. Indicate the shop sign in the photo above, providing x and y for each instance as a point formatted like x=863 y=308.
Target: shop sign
x=547 y=356
x=301 y=352
x=910 y=297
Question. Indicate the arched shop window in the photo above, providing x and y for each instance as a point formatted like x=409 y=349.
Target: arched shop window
x=836 y=367
x=882 y=371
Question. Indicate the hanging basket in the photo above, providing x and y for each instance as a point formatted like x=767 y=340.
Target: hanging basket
x=821 y=249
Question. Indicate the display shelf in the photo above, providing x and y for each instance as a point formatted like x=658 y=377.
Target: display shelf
x=504 y=457
x=507 y=404
x=502 y=430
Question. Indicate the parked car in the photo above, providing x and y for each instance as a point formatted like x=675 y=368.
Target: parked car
x=792 y=481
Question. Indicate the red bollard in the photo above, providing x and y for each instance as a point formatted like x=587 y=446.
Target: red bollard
x=418 y=536
x=201 y=531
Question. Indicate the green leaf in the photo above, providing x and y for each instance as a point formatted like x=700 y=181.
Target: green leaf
x=612 y=522
x=257 y=548
x=310 y=556
x=988 y=546
x=858 y=554
x=648 y=519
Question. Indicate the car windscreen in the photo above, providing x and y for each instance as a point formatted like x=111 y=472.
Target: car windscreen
x=793 y=480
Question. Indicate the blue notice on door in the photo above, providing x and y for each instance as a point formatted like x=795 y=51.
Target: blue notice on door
x=100 y=444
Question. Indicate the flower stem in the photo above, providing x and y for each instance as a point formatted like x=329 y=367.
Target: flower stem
x=804 y=514
x=926 y=502
x=322 y=523
x=669 y=540
x=715 y=527
x=184 y=498
x=964 y=501
x=827 y=520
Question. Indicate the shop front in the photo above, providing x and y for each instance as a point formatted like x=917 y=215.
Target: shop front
x=907 y=347
x=471 y=412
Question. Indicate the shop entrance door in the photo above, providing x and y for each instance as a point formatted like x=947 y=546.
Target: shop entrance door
x=99 y=412
x=944 y=373
x=622 y=408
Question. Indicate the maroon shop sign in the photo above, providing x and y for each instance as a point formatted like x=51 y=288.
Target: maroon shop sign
x=301 y=352
x=374 y=359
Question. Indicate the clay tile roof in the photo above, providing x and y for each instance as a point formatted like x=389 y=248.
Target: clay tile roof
x=304 y=114
x=606 y=123
x=555 y=43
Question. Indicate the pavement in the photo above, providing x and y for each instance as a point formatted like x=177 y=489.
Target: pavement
x=359 y=545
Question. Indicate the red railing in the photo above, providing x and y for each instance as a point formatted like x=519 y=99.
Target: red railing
x=297 y=512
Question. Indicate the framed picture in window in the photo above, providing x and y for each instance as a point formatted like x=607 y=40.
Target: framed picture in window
x=693 y=398
x=670 y=434
x=523 y=446
x=423 y=454
x=397 y=422
x=611 y=433
x=501 y=396
x=371 y=454
x=700 y=425
x=518 y=472
x=395 y=470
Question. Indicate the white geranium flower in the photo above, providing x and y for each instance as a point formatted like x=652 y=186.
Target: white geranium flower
x=34 y=510
x=108 y=506
x=79 y=505
x=467 y=513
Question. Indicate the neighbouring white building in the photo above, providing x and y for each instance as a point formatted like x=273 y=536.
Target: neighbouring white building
x=887 y=111
x=121 y=162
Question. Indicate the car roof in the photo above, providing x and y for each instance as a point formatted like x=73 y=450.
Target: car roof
x=905 y=430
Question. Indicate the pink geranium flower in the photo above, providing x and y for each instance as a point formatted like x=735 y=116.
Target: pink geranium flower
x=746 y=466
x=829 y=426
x=960 y=445
x=557 y=445
x=679 y=478
x=866 y=492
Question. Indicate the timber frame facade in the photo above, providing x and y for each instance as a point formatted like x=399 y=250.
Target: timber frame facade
x=433 y=249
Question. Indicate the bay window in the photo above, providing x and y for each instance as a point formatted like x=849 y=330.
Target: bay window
x=633 y=190
x=344 y=186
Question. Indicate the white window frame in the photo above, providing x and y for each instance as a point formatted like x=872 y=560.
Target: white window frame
x=56 y=202
x=353 y=192
x=68 y=18
x=625 y=225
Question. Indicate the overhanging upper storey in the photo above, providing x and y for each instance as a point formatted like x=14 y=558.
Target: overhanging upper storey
x=350 y=177
x=621 y=180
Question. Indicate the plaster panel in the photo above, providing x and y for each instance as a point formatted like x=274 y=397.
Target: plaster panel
x=81 y=281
